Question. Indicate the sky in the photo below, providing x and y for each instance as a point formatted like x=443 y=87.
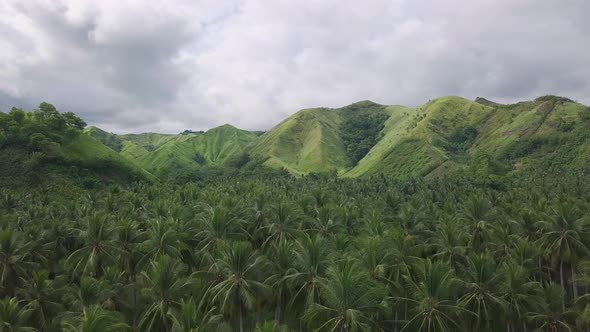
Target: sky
x=166 y=66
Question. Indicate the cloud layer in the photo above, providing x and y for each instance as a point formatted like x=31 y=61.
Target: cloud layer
x=131 y=66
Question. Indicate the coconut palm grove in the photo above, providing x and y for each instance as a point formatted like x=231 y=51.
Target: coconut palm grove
x=456 y=215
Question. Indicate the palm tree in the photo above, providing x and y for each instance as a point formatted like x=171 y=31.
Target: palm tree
x=42 y=299
x=96 y=319
x=519 y=293
x=194 y=317
x=98 y=247
x=481 y=282
x=562 y=242
x=281 y=225
x=374 y=257
x=162 y=239
x=449 y=243
x=432 y=295
x=128 y=240
x=164 y=287
x=349 y=301
x=324 y=223
x=240 y=266
x=14 y=262
x=310 y=265
x=14 y=316
x=270 y=326
x=282 y=253
x=217 y=224
x=550 y=316
x=477 y=212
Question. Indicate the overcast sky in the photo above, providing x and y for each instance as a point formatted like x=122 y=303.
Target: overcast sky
x=166 y=66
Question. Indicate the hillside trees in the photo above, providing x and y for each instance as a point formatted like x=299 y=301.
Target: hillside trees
x=39 y=129
x=361 y=127
x=258 y=252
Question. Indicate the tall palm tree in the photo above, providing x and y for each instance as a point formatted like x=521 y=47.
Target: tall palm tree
x=217 y=224
x=432 y=290
x=282 y=262
x=161 y=239
x=350 y=301
x=477 y=213
x=98 y=246
x=562 y=241
x=14 y=316
x=14 y=261
x=374 y=257
x=42 y=299
x=165 y=286
x=550 y=315
x=194 y=317
x=520 y=294
x=310 y=265
x=449 y=243
x=282 y=224
x=238 y=291
x=95 y=319
x=325 y=224
x=129 y=239
x=481 y=283
x=271 y=326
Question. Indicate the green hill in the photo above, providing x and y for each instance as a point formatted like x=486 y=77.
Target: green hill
x=47 y=150
x=444 y=135
x=161 y=153
x=314 y=140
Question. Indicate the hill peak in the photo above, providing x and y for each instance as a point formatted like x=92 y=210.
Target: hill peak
x=363 y=104
x=224 y=127
x=484 y=101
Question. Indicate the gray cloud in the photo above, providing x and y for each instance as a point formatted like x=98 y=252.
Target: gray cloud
x=133 y=66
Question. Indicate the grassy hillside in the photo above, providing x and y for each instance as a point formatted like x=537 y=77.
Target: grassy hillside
x=312 y=140
x=447 y=134
x=418 y=140
x=46 y=150
x=161 y=153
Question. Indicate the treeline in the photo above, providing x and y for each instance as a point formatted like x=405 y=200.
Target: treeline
x=277 y=253
x=38 y=130
x=361 y=128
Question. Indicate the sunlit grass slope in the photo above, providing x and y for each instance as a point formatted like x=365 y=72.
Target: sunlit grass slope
x=310 y=140
x=159 y=152
x=413 y=137
x=447 y=134
x=82 y=162
x=307 y=141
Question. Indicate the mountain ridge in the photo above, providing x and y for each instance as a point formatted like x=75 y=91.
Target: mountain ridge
x=444 y=133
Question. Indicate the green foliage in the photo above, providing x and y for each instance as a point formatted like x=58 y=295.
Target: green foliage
x=462 y=139
x=360 y=129
x=109 y=139
x=235 y=245
x=241 y=248
x=239 y=161
x=199 y=159
x=165 y=154
x=40 y=130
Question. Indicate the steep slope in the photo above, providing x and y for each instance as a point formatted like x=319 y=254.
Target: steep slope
x=312 y=140
x=417 y=140
x=81 y=163
x=445 y=135
x=160 y=153
x=549 y=132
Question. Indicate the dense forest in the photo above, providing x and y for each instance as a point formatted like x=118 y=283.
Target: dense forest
x=257 y=249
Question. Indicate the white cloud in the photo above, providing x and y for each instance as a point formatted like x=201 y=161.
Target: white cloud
x=172 y=65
